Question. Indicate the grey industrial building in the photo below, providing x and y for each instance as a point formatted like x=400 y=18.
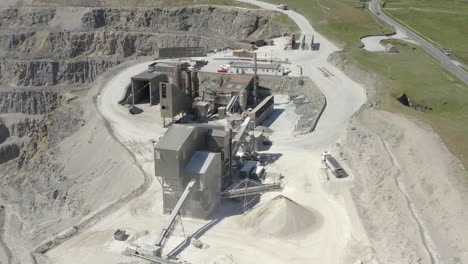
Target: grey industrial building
x=171 y=84
x=145 y=86
x=187 y=152
x=238 y=85
x=273 y=69
x=262 y=110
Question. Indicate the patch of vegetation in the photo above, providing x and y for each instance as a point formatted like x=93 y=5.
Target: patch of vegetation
x=284 y=19
x=142 y=3
x=342 y=21
x=414 y=72
x=411 y=71
x=439 y=21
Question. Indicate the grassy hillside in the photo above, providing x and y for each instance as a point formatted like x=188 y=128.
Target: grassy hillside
x=342 y=21
x=443 y=22
x=412 y=71
x=415 y=73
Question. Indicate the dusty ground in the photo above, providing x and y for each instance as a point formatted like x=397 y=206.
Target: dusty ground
x=229 y=235
x=61 y=168
x=410 y=190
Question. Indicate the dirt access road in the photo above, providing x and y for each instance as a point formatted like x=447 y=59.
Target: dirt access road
x=230 y=236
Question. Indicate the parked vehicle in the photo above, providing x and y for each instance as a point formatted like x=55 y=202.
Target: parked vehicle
x=334 y=166
x=282 y=6
x=222 y=70
x=202 y=62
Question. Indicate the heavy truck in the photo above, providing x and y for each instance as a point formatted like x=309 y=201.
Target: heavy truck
x=333 y=165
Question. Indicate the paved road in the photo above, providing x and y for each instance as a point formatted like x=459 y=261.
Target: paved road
x=443 y=59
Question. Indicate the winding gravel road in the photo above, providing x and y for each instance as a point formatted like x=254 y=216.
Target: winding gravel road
x=344 y=96
x=443 y=59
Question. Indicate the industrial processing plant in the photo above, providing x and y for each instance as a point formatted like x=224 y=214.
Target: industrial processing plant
x=232 y=132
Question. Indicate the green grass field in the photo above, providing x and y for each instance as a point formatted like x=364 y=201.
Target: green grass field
x=284 y=19
x=443 y=22
x=416 y=74
x=341 y=21
x=413 y=72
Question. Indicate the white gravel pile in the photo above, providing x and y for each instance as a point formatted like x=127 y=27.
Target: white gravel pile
x=280 y=217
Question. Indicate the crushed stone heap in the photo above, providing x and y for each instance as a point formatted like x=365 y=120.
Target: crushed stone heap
x=280 y=217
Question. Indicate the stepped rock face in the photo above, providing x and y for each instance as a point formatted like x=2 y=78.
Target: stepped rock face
x=39 y=48
x=205 y=21
x=25 y=17
x=27 y=101
x=98 y=44
x=50 y=73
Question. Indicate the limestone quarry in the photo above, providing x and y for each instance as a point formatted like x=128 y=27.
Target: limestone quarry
x=208 y=134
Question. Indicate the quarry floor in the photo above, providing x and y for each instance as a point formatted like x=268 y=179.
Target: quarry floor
x=336 y=233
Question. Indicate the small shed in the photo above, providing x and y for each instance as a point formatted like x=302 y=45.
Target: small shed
x=273 y=69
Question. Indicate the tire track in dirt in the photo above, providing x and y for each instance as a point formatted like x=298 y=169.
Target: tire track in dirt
x=423 y=235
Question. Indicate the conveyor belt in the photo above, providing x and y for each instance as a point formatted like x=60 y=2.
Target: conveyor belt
x=167 y=231
x=252 y=190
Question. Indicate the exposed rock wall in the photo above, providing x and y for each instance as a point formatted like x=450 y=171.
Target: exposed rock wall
x=49 y=73
x=205 y=21
x=21 y=126
x=40 y=47
x=8 y=152
x=97 y=44
x=25 y=17
x=4 y=133
x=27 y=101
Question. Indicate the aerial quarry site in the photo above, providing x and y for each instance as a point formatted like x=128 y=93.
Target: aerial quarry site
x=228 y=132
